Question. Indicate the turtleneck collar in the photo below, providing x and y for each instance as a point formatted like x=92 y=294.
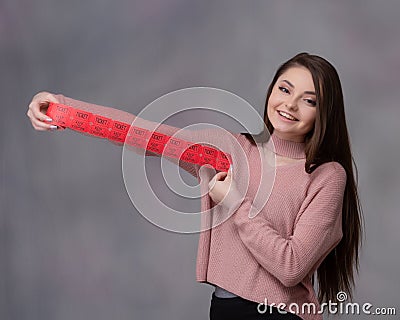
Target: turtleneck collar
x=286 y=148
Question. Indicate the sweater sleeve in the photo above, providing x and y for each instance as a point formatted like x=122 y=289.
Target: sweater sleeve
x=317 y=231
x=195 y=136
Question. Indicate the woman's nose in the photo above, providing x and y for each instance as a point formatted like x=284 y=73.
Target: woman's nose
x=291 y=105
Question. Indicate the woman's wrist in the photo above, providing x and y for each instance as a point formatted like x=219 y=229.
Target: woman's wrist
x=233 y=199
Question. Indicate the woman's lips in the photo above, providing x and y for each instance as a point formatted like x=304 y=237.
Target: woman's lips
x=293 y=119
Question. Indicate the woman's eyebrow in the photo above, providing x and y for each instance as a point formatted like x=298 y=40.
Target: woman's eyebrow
x=292 y=86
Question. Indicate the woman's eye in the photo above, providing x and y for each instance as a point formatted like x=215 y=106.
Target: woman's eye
x=283 y=89
x=312 y=102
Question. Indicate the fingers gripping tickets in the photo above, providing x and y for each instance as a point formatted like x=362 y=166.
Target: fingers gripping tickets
x=79 y=120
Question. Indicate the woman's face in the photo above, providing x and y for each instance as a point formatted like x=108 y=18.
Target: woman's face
x=292 y=104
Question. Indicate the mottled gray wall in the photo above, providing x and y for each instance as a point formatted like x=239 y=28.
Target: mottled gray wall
x=72 y=245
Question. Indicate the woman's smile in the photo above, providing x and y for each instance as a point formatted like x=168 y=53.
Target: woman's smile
x=287 y=116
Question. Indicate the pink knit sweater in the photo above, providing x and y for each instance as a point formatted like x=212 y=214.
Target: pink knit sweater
x=272 y=256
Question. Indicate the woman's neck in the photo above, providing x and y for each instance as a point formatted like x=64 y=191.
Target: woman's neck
x=287 y=137
x=286 y=148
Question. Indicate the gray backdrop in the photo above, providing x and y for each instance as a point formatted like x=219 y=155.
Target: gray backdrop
x=72 y=244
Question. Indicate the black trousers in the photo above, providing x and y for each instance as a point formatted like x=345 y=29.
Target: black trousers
x=238 y=308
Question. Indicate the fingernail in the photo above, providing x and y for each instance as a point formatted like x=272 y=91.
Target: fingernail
x=53 y=127
x=49 y=120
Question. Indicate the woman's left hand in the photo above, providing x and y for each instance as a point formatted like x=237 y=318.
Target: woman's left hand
x=220 y=185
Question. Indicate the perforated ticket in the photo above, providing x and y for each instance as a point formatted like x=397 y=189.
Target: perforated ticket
x=153 y=141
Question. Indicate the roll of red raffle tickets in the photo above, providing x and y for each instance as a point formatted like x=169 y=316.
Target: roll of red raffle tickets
x=79 y=120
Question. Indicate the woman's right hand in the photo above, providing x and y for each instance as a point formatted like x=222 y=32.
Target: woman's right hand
x=37 y=111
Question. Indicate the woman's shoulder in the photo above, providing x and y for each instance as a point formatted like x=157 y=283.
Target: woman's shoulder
x=331 y=170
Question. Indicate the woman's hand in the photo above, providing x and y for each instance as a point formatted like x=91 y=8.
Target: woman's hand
x=222 y=184
x=37 y=111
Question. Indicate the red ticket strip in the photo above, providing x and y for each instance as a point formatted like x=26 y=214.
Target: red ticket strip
x=107 y=128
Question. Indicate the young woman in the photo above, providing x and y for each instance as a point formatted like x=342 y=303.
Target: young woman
x=263 y=267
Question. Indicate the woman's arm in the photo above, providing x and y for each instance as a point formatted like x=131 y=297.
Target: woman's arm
x=316 y=233
x=37 y=114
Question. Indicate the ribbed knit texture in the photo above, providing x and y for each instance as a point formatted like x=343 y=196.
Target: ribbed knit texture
x=286 y=148
x=273 y=255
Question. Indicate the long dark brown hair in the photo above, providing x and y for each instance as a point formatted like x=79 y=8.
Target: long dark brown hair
x=329 y=141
